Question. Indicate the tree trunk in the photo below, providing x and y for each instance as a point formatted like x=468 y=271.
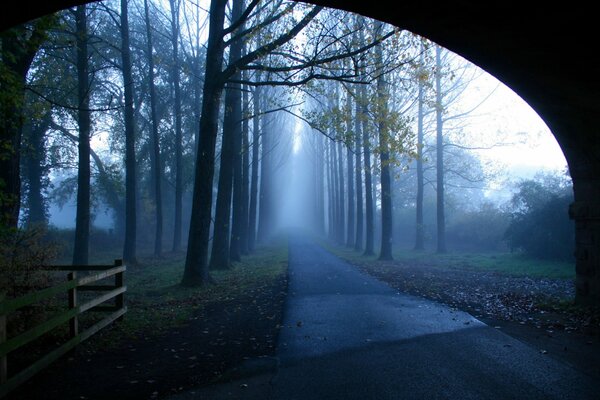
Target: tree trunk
x=264 y=220
x=350 y=234
x=330 y=191
x=129 y=248
x=341 y=196
x=245 y=207
x=35 y=169
x=196 y=262
x=320 y=182
x=358 y=243
x=384 y=157
x=178 y=134
x=441 y=218
x=197 y=82
x=370 y=228
x=336 y=192
x=18 y=47
x=225 y=239
x=255 y=164
x=82 y=219
x=420 y=233
x=156 y=169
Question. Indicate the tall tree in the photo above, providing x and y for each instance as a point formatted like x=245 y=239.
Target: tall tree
x=265 y=205
x=196 y=271
x=178 y=130
x=82 y=220
x=336 y=190
x=369 y=203
x=255 y=165
x=358 y=243
x=18 y=47
x=230 y=162
x=245 y=191
x=196 y=262
x=420 y=229
x=440 y=212
x=156 y=168
x=384 y=157
x=350 y=236
x=341 y=195
x=36 y=168
x=320 y=182
x=129 y=249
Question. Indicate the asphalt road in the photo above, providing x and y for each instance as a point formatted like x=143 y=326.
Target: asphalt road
x=347 y=335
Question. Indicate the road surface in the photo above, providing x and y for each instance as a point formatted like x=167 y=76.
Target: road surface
x=347 y=335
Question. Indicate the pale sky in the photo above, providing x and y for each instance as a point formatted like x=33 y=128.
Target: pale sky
x=521 y=143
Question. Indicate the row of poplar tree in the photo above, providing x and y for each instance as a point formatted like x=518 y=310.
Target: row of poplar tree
x=179 y=96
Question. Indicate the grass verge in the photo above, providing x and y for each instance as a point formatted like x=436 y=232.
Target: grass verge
x=158 y=303
x=511 y=264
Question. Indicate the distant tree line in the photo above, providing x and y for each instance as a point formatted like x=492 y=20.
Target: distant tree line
x=171 y=116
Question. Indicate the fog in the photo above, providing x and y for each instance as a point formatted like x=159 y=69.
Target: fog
x=289 y=138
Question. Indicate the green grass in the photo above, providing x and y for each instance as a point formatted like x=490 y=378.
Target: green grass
x=157 y=302
x=503 y=263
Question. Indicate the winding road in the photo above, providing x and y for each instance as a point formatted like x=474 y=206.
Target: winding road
x=347 y=335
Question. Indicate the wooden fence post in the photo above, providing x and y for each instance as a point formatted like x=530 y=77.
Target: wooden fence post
x=73 y=322
x=119 y=282
x=3 y=363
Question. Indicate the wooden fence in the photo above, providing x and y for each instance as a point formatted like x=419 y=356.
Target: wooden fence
x=73 y=285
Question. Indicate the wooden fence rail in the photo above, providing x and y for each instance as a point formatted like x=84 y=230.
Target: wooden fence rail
x=10 y=380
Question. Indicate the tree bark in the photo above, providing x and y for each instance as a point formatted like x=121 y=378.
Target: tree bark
x=35 y=169
x=369 y=217
x=350 y=234
x=156 y=170
x=197 y=82
x=129 y=248
x=18 y=48
x=358 y=242
x=384 y=157
x=330 y=191
x=341 y=196
x=178 y=134
x=320 y=182
x=255 y=165
x=82 y=219
x=420 y=233
x=245 y=207
x=196 y=262
x=225 y=239
x=336 y=192
x=264 y=220
x=441 y=217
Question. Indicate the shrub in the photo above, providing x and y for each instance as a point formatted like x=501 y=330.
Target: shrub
x=540 y=225
x=480 y=230
x=23 y=253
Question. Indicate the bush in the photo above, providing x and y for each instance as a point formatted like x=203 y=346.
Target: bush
x=540 y=225
x=23 y=253
x=481 y=230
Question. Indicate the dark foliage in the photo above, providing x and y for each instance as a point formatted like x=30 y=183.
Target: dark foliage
x=540 y=225
x=478 y=230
